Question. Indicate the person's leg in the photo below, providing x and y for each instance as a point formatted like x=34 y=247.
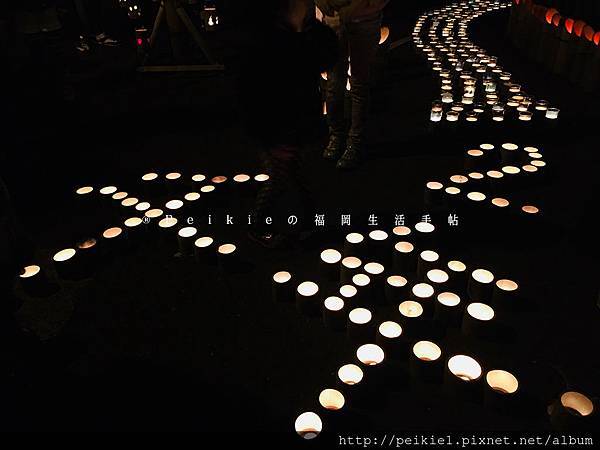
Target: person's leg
x=335 y=93
x=363 y=38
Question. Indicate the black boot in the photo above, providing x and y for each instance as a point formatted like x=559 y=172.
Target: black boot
x=335 y=147
x=351 y=159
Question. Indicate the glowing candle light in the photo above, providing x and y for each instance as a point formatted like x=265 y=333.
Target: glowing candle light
x=329 y=265
x=65 y=264
x=502 y=381
x=350 y=374
x=186 y=238
x=204 y=250
x=333 y=313
x=350 y=266
x=354 y=244
x=425 y=363
x=34 y=281
x=331 y=399
x=480 y=284
x=359 y=326
x=119 y=195
x=505 y=295
x=395 y=288
x=404 y=256
x=108 y=190
x=282 y=287
x=370 y=354
x=464 y=368
x=308 y=425
x=428 y=259
x=433 y=191
x=306 y=298
x=502 y=391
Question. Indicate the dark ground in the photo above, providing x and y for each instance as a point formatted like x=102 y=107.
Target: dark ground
x=156 y=343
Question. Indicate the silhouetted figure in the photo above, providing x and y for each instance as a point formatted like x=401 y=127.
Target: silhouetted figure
x=357 y=24
x=278 y=83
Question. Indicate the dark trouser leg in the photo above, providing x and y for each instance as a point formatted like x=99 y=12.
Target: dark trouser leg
x=336 y=88
x=363 y=39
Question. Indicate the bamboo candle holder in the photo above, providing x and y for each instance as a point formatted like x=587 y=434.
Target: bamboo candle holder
x=360 y=327
x=425 y=362
x=354 y=244
x=396 y=289
x=501 y=391
x=205 y=251
x=389 y=338
x=307 y=298
x=447 y=309
x=329 y=265
x=350 y=266
x=334 y=313
x=462 y=378
x=405 y=259
x=476 y=320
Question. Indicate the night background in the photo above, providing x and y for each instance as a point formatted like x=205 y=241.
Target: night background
x=151 y=341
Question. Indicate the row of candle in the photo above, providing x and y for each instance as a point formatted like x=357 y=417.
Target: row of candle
x=563 y=45
x=462 y=377
x=80 y=261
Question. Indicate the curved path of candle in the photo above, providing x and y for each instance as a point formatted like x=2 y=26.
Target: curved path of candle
x=451 y=53
x=523 y=169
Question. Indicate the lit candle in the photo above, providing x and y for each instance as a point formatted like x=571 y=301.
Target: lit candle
x=501 y=390
x=425 y=362
x=186 y=237
x=379 y=245
x=480 y=284
x=505 y=295
x=572 y=411
x=396 y=288
x=308 y=425
x=405 y=258
x=334 y=314
x=281 y=287
x=508 y=152
x=428 y=259
x=329 y=265
x=354 y=244
x=350 y=266
x=433 y=190
x=65 y=264
x=331 y=399
x=476 y=321
x=411 y=313
x=463 y=378
x=447 y=310
x=552 y=113
x=389 y=338
x=204 y=250
x=174 y=182
x=227 y=257
x=307 y=298
x=359 y=326
x=370 y=354
x=34 y=282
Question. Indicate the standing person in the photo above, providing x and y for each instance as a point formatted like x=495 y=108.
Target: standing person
x=357 y=24
x=278 y=83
